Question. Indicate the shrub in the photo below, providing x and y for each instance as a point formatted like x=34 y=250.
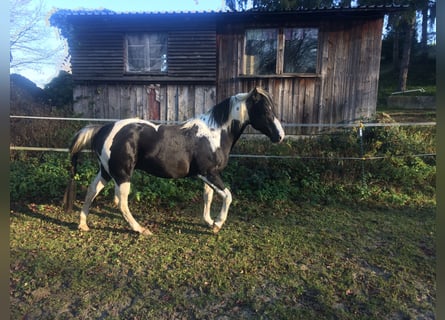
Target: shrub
x=317 y=171
x=38 y=177
x=59 y=91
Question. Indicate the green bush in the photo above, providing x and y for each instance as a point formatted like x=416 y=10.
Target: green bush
x=315 y=172
x=392 y=172
x=59 y=91
x=39 y=177
x=168 y=192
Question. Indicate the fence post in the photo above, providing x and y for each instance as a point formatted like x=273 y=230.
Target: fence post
x=362 y=153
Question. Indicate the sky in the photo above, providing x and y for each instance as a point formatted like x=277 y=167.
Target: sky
x=44 y=74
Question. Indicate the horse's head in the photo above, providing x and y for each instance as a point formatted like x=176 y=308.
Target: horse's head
x=261 y=116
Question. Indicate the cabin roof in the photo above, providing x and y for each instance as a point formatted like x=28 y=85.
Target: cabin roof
x=61 y=18
x=336 y=9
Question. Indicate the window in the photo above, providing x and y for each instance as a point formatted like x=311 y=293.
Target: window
x=261 y=51
x=300 y=50
x=262 y=56
x=146 y=53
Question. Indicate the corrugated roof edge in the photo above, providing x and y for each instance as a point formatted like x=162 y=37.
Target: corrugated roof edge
x=105 y=12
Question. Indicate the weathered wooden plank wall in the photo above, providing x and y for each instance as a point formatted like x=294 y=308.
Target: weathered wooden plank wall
x=344 y=89
x=295 y=97
x=98 y=49
x=205 y=67
x=350 y=70
x=151 y=102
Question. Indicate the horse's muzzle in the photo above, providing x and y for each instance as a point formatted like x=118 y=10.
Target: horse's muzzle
x=280 y=132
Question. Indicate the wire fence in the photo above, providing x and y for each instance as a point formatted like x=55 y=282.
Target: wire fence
x=286 y=125
x=359 y=126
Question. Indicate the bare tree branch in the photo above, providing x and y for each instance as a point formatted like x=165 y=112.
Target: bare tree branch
x=30 y=35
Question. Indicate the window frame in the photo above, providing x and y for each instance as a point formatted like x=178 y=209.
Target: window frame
x=146 y=70
x=280 y=50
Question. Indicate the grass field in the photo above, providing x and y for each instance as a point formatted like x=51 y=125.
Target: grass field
x=277 y=260
x=305 y=239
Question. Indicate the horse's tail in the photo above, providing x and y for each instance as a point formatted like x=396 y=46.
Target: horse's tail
x=81 y=139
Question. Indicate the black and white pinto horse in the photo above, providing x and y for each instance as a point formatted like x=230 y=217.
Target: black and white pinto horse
x=198 y=147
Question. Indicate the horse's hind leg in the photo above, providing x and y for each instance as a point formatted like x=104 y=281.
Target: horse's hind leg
x=93 y=190
x=116 y=193
x=123 y=192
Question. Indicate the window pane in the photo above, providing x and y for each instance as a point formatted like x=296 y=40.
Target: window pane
x=136 y=59
x=261 y=51
x=300 y=50
x=147 y=52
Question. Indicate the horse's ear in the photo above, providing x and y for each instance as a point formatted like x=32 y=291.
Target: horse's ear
x=255 y=90
x=255 y=94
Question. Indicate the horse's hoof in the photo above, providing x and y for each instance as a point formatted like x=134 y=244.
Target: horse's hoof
x=83 y=227
x=216 y=229
x=146 y=232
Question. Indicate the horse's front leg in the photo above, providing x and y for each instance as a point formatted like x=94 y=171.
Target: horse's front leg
x=208 y=197
x=226 y=196
x=213 y=183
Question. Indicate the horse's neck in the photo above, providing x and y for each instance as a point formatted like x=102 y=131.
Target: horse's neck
x=233 y=120
x=239 y=117
x=236 y=130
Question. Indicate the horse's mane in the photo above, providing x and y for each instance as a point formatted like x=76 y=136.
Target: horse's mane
x=266 y=96
x=220 y=113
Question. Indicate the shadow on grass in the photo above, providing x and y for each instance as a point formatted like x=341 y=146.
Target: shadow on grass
x=157 y=221
x=108 y=214
x=186 y=227
x=58 y=218
x=33 y=211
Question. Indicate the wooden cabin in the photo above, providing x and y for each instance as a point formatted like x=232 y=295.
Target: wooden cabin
x=320 y=65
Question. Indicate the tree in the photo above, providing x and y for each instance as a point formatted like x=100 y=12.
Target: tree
x=402 y=26
x=428 y=10
x=59 y=91
x=29 y=40
x=274 y=5
x=410 y=25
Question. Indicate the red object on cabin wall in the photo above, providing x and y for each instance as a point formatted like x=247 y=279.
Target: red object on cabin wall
x=154 y=105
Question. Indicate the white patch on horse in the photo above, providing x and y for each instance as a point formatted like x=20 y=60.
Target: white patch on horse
x=213 y=135
x=238 y=111
x=243 y=96
x=279 y=128
x=208 y=128
x=106 y=149
x=238 y=108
